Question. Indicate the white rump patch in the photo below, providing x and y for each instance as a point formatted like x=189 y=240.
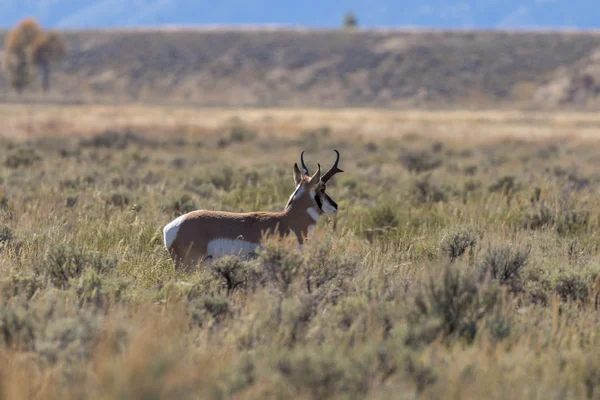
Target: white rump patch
x=170 y=230
x=230 y=247
x=313 y=213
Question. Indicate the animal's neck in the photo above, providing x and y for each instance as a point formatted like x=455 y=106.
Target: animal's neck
x=302 y=216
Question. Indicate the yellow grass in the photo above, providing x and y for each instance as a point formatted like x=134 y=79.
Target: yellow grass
x=461 y=264
x=23 y=121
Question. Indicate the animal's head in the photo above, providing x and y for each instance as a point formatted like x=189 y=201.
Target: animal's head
x=313 y=187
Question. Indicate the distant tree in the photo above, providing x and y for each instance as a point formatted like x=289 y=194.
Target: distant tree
x=47 y=49
x=17 y=61
x=350 y=20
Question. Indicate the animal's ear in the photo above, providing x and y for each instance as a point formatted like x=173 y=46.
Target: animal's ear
x=316 y=178
x=297 y=174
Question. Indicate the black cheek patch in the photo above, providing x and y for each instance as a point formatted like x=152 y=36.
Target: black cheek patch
x=319 y=202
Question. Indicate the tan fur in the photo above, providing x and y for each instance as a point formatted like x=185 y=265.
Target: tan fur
x=191 y=237
x=202 y=226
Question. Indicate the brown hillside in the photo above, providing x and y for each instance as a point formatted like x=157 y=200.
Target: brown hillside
x=315 y=68
x=578 y=84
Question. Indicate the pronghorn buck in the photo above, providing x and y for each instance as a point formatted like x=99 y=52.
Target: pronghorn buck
x=207 y=235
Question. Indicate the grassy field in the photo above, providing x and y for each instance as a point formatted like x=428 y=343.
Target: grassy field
x=463 y=262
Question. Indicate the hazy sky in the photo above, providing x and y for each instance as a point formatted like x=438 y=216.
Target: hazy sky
x=312 y=13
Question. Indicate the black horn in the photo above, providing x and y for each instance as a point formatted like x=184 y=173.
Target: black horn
x=333 y=170
x=304 y=168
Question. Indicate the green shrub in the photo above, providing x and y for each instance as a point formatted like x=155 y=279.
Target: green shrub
x=180 y=205
x=223 y=178
x=571 y=222
x=120 y=199
x=455 y=244
x=94 y=289
x=539 y=217
x=382 y=216
x=240 y=134
x=422 y=375
x=450 y=308
x=424 y=191
x=63 y=263
x=22 y=157
x=328 y=270
x=234 y=273
x=507 y=184
x=504 y=264
x=115 y=140
x=280 y=261
x=320 y=373
x=573 y=285
x=20 y=284
x=420 y=161
x=17 y=328
x=215 y=307
x=6 y=237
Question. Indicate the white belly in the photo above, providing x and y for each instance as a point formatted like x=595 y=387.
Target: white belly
x=227 y=247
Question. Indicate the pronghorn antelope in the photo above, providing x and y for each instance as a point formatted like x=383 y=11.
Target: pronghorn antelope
x=204 y=235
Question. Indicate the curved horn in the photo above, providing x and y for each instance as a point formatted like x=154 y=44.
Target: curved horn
x=333 y=170
x=304 y=168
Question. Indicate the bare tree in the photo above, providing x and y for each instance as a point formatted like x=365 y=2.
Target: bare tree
x=17 y=61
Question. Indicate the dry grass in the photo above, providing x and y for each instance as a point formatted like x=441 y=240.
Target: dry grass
x=35 y=120
x=462 y=262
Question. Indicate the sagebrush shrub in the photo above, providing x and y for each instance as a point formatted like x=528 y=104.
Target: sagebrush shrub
x=280 y=261
x=119 y=199
x=22 y=157
x=179 y=205
x=18 y=327
x=241 y=133
x=18 y=284
x=507 y=185
x=573 y=285
x=320 y=372
x=455 y=244
x=216 y=307
x=98 y=290
x=539 y=217
x=115 y=140
x=420 y=161
x=328 y=270
x=451 y=308
x=6 y=237
x=63 y=263
x=504 y=264
x=425 y=191
x=235 y=273
x=223 y=178
x=382 y=216
x=571 y=222
x=422 y=375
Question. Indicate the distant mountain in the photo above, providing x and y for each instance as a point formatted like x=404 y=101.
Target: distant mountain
x=336 y=68
x=582 y=14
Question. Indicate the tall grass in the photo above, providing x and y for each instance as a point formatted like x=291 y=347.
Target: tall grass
x=452 y=270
